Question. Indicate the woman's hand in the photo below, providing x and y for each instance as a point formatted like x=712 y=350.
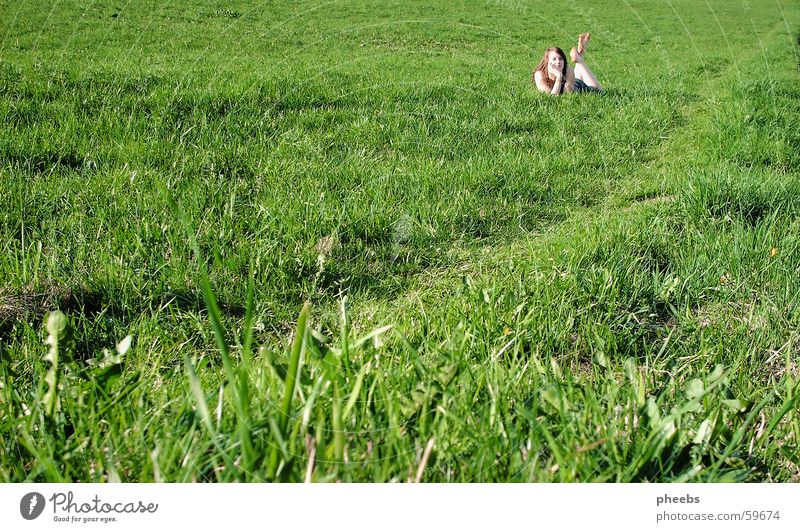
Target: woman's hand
x=558 y=78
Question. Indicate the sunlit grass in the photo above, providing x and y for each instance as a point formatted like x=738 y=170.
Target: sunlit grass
x=299 y=243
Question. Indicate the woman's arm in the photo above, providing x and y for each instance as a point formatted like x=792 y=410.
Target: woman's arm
x=538 y=77
x=569 y=86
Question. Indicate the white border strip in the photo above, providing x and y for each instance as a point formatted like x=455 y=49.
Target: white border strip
x=389 y=507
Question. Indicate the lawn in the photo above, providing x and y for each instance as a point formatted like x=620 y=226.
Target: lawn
x=349 y=240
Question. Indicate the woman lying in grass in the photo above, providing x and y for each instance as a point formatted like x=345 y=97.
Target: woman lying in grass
x=554 y=76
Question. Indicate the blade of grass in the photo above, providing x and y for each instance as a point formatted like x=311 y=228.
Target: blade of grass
x=291 y=377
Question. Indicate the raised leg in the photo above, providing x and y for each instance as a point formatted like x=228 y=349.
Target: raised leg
x=583 y=42
x=582 y=71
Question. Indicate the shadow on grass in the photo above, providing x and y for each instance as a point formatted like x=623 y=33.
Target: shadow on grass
x=100 y=317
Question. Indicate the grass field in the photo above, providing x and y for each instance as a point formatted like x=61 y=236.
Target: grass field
x=496 y=284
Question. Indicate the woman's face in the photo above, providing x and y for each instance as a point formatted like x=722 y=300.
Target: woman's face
x=554 y=62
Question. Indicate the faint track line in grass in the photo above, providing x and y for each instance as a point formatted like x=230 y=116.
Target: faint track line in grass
x=727 y=42
x=110 y=28
x=689 y=33
x=793 y=44
x=670 y=67
x=11 y=24
x=153 y=15
x=44 y=24
x=764 y=54
x=253 y=9
x=77 y=27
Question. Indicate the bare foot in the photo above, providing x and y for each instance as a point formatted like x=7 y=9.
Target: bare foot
x=575 y=56
x=583 y=41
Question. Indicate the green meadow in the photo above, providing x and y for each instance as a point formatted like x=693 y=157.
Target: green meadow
x=349 y=241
